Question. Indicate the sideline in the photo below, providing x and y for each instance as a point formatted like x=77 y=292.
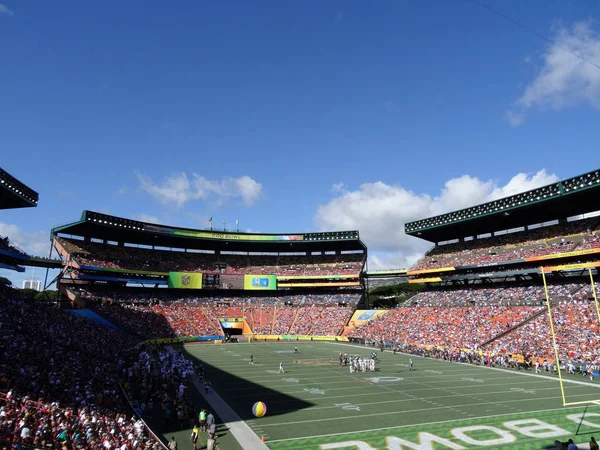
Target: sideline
x=247 y=438
x=499 y=369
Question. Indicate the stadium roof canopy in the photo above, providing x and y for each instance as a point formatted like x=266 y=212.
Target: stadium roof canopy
x=14 y=194
x=568 y=198
x=117 y=229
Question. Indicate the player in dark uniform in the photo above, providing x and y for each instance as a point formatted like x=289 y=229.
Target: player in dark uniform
x=296 y=350
x=251 y=359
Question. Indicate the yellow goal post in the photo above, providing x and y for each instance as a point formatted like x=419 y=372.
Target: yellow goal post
x=557 y=360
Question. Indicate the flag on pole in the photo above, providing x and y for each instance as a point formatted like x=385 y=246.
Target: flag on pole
x=237 y=224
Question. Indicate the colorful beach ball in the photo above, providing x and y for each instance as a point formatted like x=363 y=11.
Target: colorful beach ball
x=259 y=409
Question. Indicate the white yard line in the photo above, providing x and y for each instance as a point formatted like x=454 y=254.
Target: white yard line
x=424 y=399
x=292 y=374
x=419 y=424
x=371 y=394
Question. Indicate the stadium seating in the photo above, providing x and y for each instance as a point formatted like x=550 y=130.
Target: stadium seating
x=557 y=239
x=161 y=314
x=60 y=369
x=464 y=318
x=135 y=258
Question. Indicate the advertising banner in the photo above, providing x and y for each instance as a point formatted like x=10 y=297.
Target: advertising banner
x=362 y=316
x=590 y=251
x=185 y=280
x=292 y=337
x=260 y=282
x=419 y=272
x=222 y=236
x=582 y=266
x=425 y=280
x=230 y=325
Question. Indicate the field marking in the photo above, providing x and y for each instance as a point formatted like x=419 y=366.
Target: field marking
x=418 y=424
x=362 y=416
x=371 y=394
x=516 y=372
x=425 y=400
x=358 y=376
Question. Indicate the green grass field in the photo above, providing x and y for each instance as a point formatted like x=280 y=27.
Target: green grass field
x=318 y=405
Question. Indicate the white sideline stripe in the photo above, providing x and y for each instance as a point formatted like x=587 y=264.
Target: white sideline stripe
x=419 y=424
x=240 y=430
x=516 y=372
x=407 y=411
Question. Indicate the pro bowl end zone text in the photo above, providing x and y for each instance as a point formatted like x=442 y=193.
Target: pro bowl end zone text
x=532 y=430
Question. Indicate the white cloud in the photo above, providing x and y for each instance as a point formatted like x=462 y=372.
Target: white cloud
x=338 y=187
x=178 y=189
x=379 y=211
x=5 y=10
x=34 y=243
x=515 y=118
x=565 y=79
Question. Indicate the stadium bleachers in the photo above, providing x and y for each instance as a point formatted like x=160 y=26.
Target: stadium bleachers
x=135 y=258
x=557 y=239
x=163 y=314
x=468 y=318
x=60 y=369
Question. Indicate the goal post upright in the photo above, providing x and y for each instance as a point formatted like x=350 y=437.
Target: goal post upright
x=556 y=359
x=594 y=294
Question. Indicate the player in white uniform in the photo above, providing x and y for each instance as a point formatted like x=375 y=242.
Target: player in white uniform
x=281 y=368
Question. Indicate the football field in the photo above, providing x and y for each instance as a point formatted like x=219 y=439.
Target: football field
x=316 y=404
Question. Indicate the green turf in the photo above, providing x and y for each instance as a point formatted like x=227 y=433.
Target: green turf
x=316 y=404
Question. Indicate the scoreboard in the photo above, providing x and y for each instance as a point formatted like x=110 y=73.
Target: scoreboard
x=211 y=281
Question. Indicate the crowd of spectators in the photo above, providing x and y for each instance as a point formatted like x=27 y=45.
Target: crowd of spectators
x=571 y=236
x=137 y=258
x=502 y=294
x=58 y=379
x=158 y=313
x=576 y=324
x=504 y=320
x=462 y=326
x=156 y=380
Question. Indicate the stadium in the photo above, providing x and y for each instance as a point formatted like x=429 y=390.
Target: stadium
x=155 y=327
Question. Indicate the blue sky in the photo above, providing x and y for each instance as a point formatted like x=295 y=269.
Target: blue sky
x=292 y=116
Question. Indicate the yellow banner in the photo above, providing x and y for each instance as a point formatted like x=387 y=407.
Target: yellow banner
x=425 y=280
x=419 y=272
x=292 y=337
x=589 y=251
x=587 y=265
